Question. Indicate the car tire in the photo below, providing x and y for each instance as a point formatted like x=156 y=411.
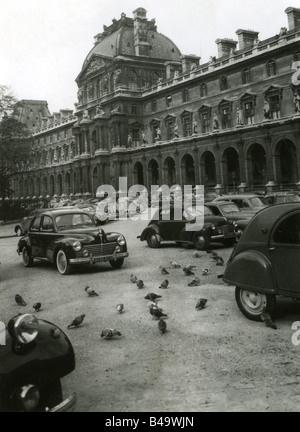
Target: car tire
x=201 y=241
x=153 y=240
x=27 y=258
x=229 y=242
x=252 y=303
x=19 y=231
x=117 y=264
x=62 y=263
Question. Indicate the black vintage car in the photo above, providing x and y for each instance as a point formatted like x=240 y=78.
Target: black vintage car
x=230 y=211
x=70 y=237
x=36 y=356
x=165 y=227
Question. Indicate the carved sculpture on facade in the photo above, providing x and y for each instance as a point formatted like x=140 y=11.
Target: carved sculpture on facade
x=80 y=95
x=239 y=117
x=116 y=110
x=117 y=77
x=216 y=122
x=195 y=127
x=266 y=110
x=176 y=131
x=99 y=111
x=158 y=134
x=129 y=141
x=86 y=115
x=105 y=83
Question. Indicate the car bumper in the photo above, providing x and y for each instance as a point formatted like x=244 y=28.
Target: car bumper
x=96 y=259
x=68 y=405
x=223 y=237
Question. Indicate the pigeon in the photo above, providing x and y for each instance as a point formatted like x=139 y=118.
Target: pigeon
x=220 y=261
x=156 y=312
x=140 y=284
x=164 y=284
x=163 y=270
x=266 y=318
x=195 y=282
x=77 y=321
x=37 y=306
x=120 y=308
x=188 y=270
x=110 y=333
x=90 y=292
x=196 y=255
x=162 y=325
x=133 y=278
x=201 y=303
x=20 y=301
x=153 y=297
x=175 y=265
x=206 y=271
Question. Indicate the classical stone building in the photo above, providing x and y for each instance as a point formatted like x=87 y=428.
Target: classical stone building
x=155 y=116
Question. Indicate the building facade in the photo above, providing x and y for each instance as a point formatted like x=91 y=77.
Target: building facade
x=155 y=116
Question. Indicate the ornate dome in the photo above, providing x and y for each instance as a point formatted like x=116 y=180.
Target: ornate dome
x=123 y=37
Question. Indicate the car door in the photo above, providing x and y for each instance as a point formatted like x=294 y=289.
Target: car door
x=169 y=225
x=34 y=237
x=46 y=234
x=284 y=250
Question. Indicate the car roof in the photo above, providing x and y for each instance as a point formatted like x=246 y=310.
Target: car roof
x=219 y=202
x=238 y=196
x=261 y=224
x=63 y=210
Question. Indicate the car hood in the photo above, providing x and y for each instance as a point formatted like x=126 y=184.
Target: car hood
x=87 y=235
x=216 y=220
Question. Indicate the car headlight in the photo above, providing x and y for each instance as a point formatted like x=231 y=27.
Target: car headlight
x=121 y=241
x=235 y=223
x=29 y=397
x=213 y=227
x=24 y=328
x=77 y=246
x=86 y=253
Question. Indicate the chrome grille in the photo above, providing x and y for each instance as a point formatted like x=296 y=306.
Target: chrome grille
x=98 y=249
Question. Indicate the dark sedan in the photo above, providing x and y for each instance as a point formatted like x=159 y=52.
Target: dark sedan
x=230 y=211
x=70 y=237
x=165 y=227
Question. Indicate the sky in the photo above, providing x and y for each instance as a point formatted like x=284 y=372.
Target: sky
x=45 y=42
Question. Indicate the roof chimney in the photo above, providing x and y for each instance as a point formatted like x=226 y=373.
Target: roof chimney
x=224 y=46
x=293 y=17
x=246 y=38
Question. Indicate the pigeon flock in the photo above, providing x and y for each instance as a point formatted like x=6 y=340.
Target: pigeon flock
x=156 y=312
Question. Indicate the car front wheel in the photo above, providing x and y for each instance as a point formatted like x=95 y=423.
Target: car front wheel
x=62 y=263
x=27 y=258
x=251 y=304
x=201 y=241
x=117 y=264
x=153 y=240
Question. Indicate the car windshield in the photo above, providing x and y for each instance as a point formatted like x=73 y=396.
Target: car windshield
x=230 y=208
x=73 y=221
x=256 y=202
